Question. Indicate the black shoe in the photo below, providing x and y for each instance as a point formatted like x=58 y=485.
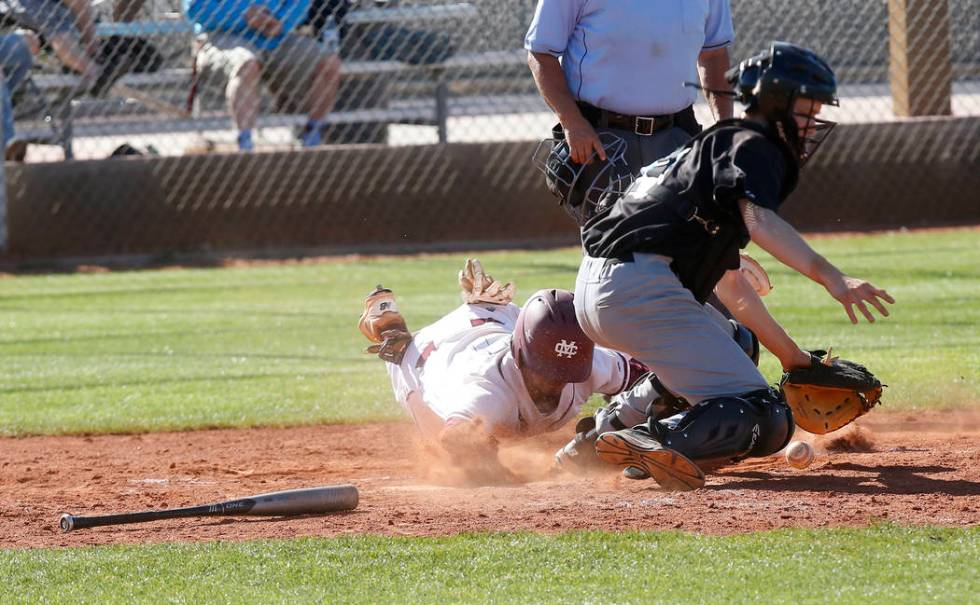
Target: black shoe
x=16 y=151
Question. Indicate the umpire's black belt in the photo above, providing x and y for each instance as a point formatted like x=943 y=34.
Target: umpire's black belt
x=641 y=125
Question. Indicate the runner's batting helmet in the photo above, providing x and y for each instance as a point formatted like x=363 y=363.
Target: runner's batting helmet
x=770 y=83
x=548 y=341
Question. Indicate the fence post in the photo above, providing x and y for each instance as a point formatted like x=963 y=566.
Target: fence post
x=920 y=68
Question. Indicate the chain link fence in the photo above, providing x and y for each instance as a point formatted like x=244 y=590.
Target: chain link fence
x=90 y=80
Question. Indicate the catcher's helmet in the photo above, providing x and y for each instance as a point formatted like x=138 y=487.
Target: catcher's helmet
x=580 y=187
x=771 y=81
x=548 y=341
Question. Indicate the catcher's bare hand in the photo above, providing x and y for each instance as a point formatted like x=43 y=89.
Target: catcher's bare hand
x=583 y=141
x=853 y=292
x=479 y=287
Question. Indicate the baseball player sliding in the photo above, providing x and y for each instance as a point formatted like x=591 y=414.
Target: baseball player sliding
x=490 y=370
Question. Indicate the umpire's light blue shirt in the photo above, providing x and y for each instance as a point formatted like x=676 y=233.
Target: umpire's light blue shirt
x=631 y=56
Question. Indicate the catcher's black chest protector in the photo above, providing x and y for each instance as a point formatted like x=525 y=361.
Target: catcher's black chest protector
x=685 y=206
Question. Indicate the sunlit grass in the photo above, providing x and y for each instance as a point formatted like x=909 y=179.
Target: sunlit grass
x=274 y=345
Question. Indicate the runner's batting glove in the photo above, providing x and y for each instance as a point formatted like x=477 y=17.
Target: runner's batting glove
x=578 y=455
x=392 y=347
x=480 y=287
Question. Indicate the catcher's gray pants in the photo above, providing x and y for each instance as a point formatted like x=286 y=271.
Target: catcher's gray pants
x=642 y=309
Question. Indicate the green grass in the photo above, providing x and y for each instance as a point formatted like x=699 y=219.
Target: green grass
x=276 y=345
x=882 y=564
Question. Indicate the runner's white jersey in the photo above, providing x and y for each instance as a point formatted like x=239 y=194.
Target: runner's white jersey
x=461 y=368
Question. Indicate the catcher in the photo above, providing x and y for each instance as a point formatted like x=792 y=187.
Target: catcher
x=657 y=252
x=825 y=393
x=490 y=371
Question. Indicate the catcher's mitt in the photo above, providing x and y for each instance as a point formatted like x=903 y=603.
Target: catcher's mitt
x=829 y=394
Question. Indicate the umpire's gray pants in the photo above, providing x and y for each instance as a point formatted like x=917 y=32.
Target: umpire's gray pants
x=642 y=309
x=644 y=150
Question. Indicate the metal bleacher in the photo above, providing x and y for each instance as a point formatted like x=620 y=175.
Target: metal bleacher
x=147 y=103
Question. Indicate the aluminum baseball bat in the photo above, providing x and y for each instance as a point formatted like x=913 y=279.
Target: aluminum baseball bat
x=308 y=501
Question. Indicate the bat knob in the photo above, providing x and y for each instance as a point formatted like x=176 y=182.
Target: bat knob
x=67 y=523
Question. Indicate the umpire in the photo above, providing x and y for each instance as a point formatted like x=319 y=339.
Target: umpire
x=621 y=66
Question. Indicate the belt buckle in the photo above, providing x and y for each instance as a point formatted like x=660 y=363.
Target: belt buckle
x=644 y=132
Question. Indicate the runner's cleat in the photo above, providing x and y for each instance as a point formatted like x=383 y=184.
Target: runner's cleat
x=380 y=315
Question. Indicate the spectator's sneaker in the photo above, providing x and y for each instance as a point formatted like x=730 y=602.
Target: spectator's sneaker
x=636 y=448
x=310 y=136
x=245 y=141
x=380 y=315
x=16 y=150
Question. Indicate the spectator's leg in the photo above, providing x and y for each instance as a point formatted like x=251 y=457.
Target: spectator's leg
x=84 y=24
x=320 y=98
x=68 y=27
x=243 y=94
x=240 y=65
x=68 y=49
x=308 y=76
x=323 y=92
x=127 y=10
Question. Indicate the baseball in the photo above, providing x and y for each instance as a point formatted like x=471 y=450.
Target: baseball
x=799 y=454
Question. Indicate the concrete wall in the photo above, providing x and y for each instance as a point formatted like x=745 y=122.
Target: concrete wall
x=368 y=199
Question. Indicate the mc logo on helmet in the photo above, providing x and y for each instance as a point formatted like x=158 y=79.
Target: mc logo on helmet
x=566 y=349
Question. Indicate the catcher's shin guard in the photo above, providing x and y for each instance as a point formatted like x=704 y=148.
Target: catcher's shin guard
x=756 y=424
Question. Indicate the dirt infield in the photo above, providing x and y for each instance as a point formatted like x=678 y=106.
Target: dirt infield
x=901 y=467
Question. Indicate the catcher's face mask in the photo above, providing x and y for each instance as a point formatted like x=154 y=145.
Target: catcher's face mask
x=579 y=187
x=811 y=131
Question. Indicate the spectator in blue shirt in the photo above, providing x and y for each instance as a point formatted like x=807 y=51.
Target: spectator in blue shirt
x=248 y=41
x=17 y=52
x=622 y=66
